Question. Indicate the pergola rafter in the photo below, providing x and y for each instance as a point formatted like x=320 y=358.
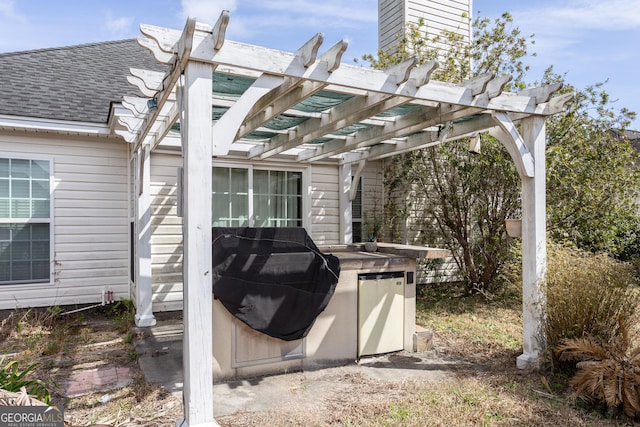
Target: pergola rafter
x=252 y=103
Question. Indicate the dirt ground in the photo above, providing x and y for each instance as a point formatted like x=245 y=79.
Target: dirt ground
x=88 y=340
x=70 y=344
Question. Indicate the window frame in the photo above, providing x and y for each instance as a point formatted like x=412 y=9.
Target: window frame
x=49 y=220
x=305 y=186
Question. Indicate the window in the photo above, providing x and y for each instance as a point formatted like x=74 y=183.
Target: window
x=356 y=214
x=256 y=198
x=230 y=201
x=25 y=218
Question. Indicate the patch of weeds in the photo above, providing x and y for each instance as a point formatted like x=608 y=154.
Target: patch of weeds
x=132 y=354
x=123 y=313
x=399 y=414
x=128 y=338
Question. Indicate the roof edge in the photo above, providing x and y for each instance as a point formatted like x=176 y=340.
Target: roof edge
x=52 y=125
x=75 y=46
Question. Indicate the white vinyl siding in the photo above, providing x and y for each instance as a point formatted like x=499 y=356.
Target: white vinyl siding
x=325 y=207
x=166 y=233
x=89 y=219
x=439 y=15
x=391 y=23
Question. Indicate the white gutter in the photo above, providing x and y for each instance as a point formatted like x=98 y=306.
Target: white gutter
x=51 y=125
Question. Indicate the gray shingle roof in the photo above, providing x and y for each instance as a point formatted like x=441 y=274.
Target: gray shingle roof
x=75 y=83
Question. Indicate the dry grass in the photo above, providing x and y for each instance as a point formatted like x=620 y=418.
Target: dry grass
x=139 y=404
x=590 y=295
x=486 y=389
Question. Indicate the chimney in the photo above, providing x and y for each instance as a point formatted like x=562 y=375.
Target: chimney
x=439 y=15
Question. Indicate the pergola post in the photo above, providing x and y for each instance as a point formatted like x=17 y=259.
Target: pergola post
x=196 y=134
x=534 y=252
x=143 y=287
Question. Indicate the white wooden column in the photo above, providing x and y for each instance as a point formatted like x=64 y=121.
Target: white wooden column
x=196 y=133
x=534 y=253
x=344 y=202
x=143 y=296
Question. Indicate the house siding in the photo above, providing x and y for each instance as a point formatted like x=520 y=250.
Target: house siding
x=166 y=233
x=325 y=205
x=439 y=15
x=391 y=21
x=90 y=219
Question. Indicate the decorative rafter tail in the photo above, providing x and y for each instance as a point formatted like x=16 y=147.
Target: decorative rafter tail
x=402 y=71
x=142 y=87
x=421 y=74
x=542 y=93
x=185 y=43
x=479 y=83
x=497 y=85
x=151 y=79
x=131 y=123
x=152 y=45
x=138 y=106
x=128 y=136
x=309 y=51
x=164 y=38
x=333 y=55
x=220 y=30
x=556 y=104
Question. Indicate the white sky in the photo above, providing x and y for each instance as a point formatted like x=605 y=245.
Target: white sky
x=590 y=40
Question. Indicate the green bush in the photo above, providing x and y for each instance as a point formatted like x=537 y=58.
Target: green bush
x=589 y=296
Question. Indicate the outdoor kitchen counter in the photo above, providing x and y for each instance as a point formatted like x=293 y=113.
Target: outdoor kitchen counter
x=240 y=352
x=388 y=255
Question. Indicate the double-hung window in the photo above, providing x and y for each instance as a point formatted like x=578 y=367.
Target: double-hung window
x=252 y=197
x=25 y=221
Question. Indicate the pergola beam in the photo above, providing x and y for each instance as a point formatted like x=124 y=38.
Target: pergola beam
x=355 y=110
x=349 y=112
x=266 y=88
x=239 y=55
x=293 y=90
x=422 y=140
x=280 y=101
x=405 y=125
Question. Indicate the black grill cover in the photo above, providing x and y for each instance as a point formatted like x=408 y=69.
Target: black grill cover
x=273 y=279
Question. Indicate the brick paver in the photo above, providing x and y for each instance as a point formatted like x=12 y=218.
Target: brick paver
x=97 y=379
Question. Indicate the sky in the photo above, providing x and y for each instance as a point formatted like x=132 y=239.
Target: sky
x=590 y=40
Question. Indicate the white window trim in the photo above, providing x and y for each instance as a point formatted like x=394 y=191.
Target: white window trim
x=305 y=190
x=50 y=221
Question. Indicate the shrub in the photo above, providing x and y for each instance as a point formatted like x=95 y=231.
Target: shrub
x=589 y=296
x=606 y=375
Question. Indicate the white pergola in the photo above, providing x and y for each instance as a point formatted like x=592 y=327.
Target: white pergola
x=247 y=102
